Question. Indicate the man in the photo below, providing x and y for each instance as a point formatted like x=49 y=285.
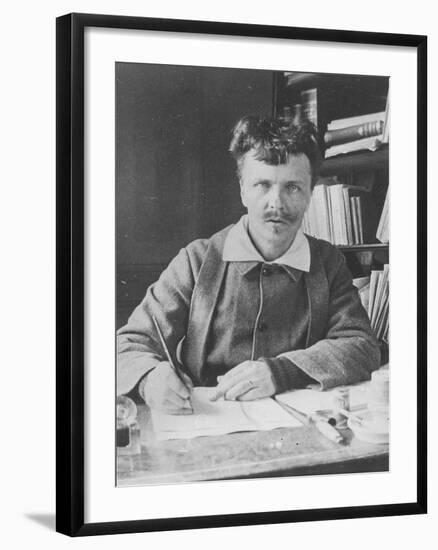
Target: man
x=259 y=308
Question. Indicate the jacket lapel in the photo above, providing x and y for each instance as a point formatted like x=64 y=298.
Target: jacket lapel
x=318 y=296
x=203 y=303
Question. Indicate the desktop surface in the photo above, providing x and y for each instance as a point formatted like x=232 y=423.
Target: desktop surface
x=280 y=452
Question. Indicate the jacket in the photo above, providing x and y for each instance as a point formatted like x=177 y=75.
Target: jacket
x=339 y=347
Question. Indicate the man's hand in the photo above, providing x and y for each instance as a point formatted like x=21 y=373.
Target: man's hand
x=165 y=391
x=249 y=380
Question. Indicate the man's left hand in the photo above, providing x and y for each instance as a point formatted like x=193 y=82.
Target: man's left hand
x=247 y=381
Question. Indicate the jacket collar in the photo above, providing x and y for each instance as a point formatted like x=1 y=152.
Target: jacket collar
x=238 y=247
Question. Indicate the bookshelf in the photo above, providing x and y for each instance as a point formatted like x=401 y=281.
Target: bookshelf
x=356 y=161
x=364 y=247
x=350 y=112
x=334 y=97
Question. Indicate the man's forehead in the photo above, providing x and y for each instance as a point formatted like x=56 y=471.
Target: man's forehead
x=296 y=165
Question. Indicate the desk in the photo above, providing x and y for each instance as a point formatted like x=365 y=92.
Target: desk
x=281 y=452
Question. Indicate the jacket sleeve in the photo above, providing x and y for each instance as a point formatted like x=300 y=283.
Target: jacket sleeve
x=138 y=347
x=349 y=352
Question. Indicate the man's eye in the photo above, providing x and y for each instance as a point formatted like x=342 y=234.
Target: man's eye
x=292 y=187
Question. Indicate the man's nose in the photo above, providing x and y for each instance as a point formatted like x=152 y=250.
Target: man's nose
x=275 y=199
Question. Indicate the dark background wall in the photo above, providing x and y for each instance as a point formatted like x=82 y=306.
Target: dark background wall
x=175 y=180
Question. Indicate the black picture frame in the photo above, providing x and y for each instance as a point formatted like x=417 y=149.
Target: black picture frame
x=70 y=272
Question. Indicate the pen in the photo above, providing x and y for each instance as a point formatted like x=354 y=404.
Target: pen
x=328 y=431
x=306 y=418
x=322 y=424
x=175 y=368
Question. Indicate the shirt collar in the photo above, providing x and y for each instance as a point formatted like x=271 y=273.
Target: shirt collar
x=238 y=247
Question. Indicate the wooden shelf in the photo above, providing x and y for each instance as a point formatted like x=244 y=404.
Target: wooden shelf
x=358 y=160
x=363 y=247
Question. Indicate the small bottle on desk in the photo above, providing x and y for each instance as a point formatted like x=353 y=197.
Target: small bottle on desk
x=128 y=430
x=378 y=395
x=341 y=402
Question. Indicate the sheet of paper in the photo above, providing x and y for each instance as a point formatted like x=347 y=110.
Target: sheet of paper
x=221 y=417
x=310 y=401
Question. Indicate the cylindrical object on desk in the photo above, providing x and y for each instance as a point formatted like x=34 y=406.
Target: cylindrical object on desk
x=122 y=435
x=341 y=401
x=134 y=438
x=378 y=394
x=328 y=431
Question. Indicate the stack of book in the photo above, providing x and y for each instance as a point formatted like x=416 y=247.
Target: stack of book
x=354 y=134
x=374 y=294
x=383 y=227
x=337 y=213
x=385 y=131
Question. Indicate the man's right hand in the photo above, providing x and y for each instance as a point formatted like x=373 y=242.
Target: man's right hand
x=163 y=390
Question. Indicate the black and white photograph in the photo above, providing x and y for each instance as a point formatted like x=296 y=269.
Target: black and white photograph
x=252 y=273
x=218 y=247
x=241 y=310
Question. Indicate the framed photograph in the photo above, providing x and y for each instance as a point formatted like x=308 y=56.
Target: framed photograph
x=241 y=274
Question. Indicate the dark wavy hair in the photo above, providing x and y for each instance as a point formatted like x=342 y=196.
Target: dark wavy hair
x=272 y=141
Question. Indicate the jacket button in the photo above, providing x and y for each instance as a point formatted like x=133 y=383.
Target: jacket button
x=267 y=271
x=262 y=326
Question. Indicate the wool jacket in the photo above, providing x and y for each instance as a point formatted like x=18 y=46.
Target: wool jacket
x=336 y=345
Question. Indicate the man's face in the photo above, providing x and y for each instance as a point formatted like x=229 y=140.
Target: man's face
x=276 y=198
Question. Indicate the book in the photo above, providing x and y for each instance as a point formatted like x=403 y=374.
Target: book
x=355 y=220
x=322 y=212
x=220 y=417
x=347 y=213
x=378 y=302
x=353 y=133
x=374 y=277
x=385 y=132
x=364 y=212
x=374 y=295
x=381 y=298
x=380 y=326
x=352 y=121
x=330 y=211
x=359 y=218
x=382 y=233
x=377 y=298
x=370 y=143
x=338 y=214
x=341 y=214
x=317 y=220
